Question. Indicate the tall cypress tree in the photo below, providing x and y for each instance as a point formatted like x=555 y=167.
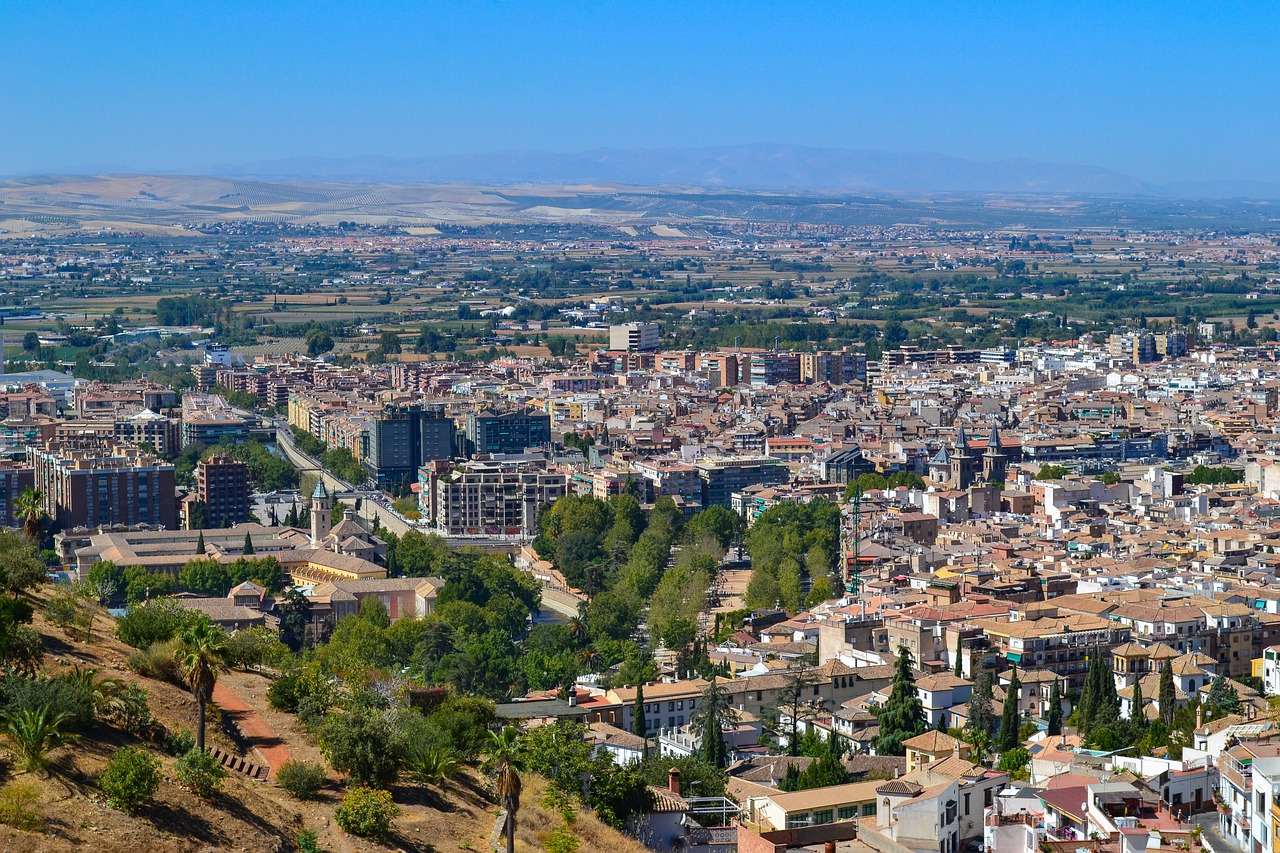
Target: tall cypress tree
x=1053 y=719
x=1108 y=707
x=1168 y=697
x=959 y=660
x=1088 y=706
x=901 y=717
x=200 y=544
x=1137 y=715
x=1007 y=738
x=248 y=544
x=639 y=726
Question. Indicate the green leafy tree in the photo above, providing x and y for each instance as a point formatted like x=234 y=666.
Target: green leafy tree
x=619 y=793
x=902 y=715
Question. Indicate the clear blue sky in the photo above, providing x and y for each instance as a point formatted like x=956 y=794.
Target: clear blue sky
x=1162 y=91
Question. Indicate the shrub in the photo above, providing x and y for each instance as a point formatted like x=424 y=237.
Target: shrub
x=69 y=696
x=302 y=779
x=562 y=840
x=366 y=812
x=158 y=661
x=62 y=609
x=200 y=772
x=36 y=733
x=180 y=742
x=362 y=745
x=431 y=765
x=17 y=806
x=306 y=841
x=283 y=693
x=129 y=707
x=130 y=779
x=312 y=710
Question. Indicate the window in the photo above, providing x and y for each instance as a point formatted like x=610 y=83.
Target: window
x=847 y=812
x=799 y=819
x=823 y=816
x=868 y=809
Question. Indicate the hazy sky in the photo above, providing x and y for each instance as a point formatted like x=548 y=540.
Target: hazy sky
x=1162 y=91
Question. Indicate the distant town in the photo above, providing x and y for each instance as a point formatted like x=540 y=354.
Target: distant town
x=746 y=536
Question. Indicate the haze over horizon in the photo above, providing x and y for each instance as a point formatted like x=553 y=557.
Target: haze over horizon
x=163 y=88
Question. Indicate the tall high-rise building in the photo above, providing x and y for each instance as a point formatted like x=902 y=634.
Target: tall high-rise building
x=222 y=485
x=102 y=484
x=401 y=439
x=635 y=337
x=722 y=477
x=506 y=432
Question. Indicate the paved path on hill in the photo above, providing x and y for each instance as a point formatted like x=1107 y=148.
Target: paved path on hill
x=255 y=729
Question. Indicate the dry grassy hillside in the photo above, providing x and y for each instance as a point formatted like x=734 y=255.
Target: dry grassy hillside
x=245 y=815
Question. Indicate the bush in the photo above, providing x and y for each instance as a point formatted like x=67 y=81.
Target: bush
x=200 y=772
x=306 y=841
x=180 y=742
x=302 y=779
x=131 y=778
x=562 y=840
x=312 y=710
x=69 y=696
x=62 y=609
x=283 y=693
x=17 y=806
x=158 y=661
x=362 y=745
x=151 y=622
x=366 y=812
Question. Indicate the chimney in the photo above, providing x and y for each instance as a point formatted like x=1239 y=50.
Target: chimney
x=673 y=780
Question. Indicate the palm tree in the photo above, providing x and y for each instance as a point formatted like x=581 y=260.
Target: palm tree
x=202 y=651
x=505 y=761
x=29 y=506
x=36 y=733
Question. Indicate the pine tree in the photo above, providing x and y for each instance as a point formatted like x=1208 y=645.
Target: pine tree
x=902 y=715
x=248 y=544
x=200 y=544
x=1137 y=715
x=1008 y=736
x=1053 y=719
x=1168 y=697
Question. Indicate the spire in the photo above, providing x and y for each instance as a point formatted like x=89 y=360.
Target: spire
x=320 y=491
x=962 y=441
x=993 y=443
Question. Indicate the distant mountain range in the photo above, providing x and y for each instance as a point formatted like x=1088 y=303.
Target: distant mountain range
x=746 y=167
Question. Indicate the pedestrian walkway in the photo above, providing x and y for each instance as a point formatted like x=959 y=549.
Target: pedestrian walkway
x=250 y=724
